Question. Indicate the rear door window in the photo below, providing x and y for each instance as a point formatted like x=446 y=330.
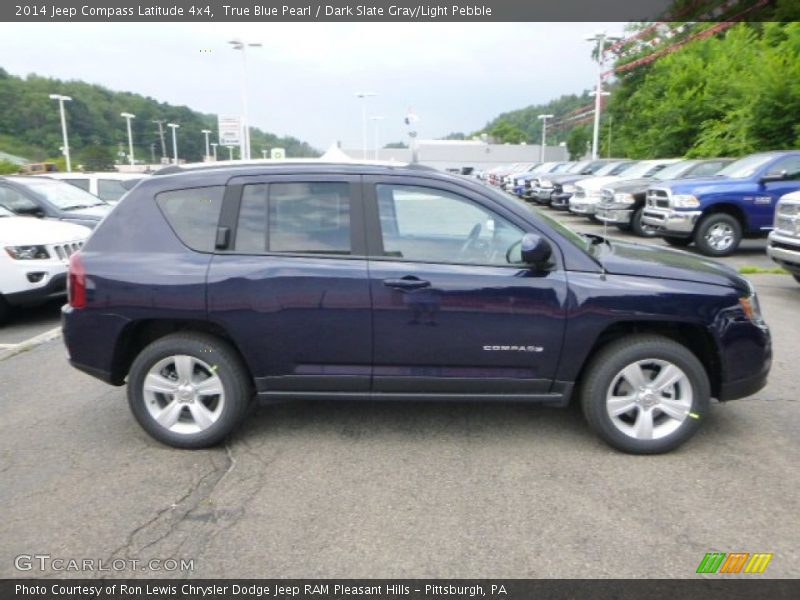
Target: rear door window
x=111 y=190
x=193 y=214
x=79 y=183
x=296 y=217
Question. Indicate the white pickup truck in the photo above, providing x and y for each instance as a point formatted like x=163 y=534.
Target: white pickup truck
x=34 y=256
x=784 y=239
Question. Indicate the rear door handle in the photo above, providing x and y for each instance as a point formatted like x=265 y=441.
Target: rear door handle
x=406 y=283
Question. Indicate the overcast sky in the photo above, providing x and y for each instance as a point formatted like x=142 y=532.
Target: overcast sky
x=456 y=77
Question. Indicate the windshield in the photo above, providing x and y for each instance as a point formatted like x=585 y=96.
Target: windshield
x=638 y=170
x=562 y=168
x=674 y=171
x=609 y=168
x=579 y=167
x=745 y=167
x=62 y=195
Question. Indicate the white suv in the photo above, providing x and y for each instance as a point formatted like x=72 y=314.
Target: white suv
x=34 y=256
x=109 y=187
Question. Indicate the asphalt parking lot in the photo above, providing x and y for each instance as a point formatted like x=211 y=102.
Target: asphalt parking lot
x=315 y=489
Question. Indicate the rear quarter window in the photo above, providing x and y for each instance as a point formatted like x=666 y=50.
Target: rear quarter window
x=193 y=214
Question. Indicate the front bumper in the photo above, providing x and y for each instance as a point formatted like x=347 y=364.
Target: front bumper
x=582 y=206
x=53 y=285
x=621 y=216
x=785 y=250
x=542 y=195
x=669 y=221
x=560 y=200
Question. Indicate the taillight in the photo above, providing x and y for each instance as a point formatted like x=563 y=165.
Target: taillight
x=76 y=282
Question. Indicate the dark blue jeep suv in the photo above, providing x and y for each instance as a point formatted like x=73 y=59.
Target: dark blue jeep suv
x=208 y=287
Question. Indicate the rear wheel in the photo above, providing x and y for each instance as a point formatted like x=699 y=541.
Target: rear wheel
x=718 y=234
x=642 y=229
x=645 y=394
x=677 y=242
x=189 y=390
x=796 y=278
x=3 y=310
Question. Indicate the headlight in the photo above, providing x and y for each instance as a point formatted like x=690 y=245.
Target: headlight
x=624 y=198
x=685 y=201
x=569 y=189
x=27 y=252
x=750 y=304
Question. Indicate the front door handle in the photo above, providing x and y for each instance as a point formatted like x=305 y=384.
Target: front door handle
x=407 y=283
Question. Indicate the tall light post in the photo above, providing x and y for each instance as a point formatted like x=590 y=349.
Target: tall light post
x=214 y=150
x=128 y=116
x=174 y=127
x=376 y=121
x=61 y=99
x=543 y=119
x=363 y=96
x=600 y=38
x=244 y=147
x=206 y=132
x=230 y=152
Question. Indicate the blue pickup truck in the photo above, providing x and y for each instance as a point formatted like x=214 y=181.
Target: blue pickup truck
x=717 y=212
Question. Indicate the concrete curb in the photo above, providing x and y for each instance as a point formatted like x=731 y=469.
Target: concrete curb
x=31 y=343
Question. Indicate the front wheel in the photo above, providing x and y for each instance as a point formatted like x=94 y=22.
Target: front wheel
x=645 y=394
x=4 y=310
x=640 y=228
x=718 y=234
x=796 y=278
x=188 y=390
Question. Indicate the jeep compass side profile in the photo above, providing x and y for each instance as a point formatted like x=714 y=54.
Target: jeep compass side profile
x=210 y=286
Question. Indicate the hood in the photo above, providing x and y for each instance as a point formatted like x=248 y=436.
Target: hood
x=630 y=185
x=90 y=212
x=20 y=231
x=640 y=260
x=686 y=186
x=569 y=178
x=595 y=183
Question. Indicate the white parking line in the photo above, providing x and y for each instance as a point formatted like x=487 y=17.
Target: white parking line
x=9 y=350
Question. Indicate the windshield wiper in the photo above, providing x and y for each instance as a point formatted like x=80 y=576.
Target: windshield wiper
x=76 y=206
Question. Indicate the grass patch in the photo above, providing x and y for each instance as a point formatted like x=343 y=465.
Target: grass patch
x=749 y=270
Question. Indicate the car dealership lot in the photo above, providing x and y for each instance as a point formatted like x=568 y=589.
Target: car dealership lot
x=397 y=489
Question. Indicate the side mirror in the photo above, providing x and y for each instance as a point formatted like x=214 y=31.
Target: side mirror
x=774 y=176
x=535 y=249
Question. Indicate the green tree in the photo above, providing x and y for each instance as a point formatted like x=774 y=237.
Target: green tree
x=577 y=141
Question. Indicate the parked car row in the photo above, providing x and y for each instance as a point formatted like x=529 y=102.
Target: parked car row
x=712 y=203
x=44 y=219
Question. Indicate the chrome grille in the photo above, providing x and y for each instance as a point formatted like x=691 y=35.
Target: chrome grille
x=657 y=198
x=64 y=251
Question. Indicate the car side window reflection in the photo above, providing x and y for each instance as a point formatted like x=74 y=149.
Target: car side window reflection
x=430 y=225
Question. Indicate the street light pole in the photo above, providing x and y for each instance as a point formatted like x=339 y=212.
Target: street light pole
x=128 y=116
x=174 y=127
x=376 y=121
x=214 y=149
x=601 y=38
x=230 y=152
x=363 y=96
x=206 y=132
x=61 y=99
x=543 y=119
x=244 y=147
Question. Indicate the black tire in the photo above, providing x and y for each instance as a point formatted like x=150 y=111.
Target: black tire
x=677 y=242
x=796 y=278
x=605 y=369
x=718 y=221
x=4 y=310
x=639 y=228
x=225 y=363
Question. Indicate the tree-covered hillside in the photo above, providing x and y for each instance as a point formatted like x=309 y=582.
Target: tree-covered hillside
x=30 y=125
